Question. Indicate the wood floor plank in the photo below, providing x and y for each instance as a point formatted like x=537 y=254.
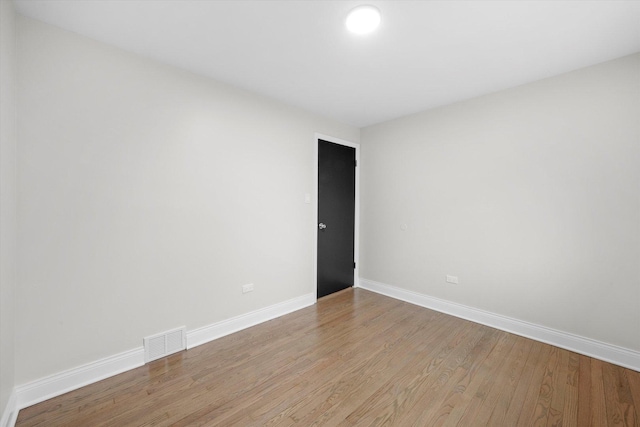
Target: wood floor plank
x=333 y=352
x=249 y=377
x=511 y=381
x=529 y=404
x=400 y=393
x=473 y=397
x=374 y=367
x=570 y=408
x=436 y=407
x=361 y=392
x=584 y=391
x=570 y=404
x=559 y=386
x=598 y=403
x=262 y=410
x=524 y=383
x=543 y=406
x=357 y=358
x=221 y=406
x=620 y=408
x=633 y=380
x=488 y=397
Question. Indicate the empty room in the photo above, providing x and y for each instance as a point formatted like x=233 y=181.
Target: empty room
x=316 y=212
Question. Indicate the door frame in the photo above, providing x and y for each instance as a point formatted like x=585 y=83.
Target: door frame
x=356 y=231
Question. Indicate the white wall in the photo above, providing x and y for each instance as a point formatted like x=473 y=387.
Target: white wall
x=148 y=196
x=7 y=200
x=531 y=196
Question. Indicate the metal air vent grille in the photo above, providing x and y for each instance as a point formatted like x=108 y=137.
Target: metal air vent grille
x=164 y=344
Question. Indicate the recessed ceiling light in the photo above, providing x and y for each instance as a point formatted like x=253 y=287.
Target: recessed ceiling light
x=363 y=19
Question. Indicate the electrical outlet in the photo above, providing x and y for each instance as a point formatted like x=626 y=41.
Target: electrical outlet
x=452 y=279
x=247 y=288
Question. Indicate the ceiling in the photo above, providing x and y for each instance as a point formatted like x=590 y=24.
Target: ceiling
x=425 y=53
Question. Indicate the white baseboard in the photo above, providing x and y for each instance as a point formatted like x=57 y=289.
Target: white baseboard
x=592 y=348
x=217 y=330
x=72 y=379
x=10 y=413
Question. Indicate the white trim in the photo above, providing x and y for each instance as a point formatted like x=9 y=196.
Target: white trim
x=589 y=347
x=54 y=385
x=217 y=330
x=10 y=413
x=356 y=237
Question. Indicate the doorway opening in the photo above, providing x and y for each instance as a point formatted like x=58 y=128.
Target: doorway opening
x=337 y=208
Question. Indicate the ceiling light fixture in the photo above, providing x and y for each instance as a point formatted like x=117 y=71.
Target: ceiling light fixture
x=363 y=19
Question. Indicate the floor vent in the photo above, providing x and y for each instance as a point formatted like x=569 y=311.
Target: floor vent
x=164 y=344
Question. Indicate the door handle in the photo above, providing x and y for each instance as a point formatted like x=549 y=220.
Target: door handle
x=322 y=226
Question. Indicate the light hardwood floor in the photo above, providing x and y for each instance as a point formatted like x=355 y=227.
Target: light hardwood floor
x=358 y=358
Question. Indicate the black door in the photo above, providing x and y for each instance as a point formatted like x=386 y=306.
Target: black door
x=336 y=216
